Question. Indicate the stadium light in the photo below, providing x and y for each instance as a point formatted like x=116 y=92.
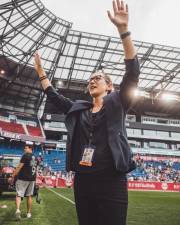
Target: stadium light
x=2 y=72
x=169 y=97
x=59 y=84
x=138 y=93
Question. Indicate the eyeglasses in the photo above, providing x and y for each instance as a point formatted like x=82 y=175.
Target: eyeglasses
x=95 y=78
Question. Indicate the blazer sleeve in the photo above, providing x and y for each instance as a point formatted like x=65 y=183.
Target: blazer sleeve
x=64 y=104
x=129 y=82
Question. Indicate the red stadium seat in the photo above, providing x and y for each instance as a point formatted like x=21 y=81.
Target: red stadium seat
x=12 y=127
x=34 y=131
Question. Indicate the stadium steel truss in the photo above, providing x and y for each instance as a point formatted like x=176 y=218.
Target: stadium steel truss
x=70 y=56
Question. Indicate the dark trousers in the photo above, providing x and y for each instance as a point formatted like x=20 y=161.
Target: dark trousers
x=101 y=199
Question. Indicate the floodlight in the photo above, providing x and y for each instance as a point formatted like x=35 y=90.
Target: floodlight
x=2 y=72
x=169 y=97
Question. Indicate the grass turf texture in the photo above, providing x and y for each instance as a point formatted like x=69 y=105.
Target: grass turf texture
x=145 y=208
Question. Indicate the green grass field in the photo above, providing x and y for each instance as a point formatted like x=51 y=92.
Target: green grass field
x=145 y=208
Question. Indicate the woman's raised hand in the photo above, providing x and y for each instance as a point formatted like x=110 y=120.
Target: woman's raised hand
x=37 y=62
x=121 y=15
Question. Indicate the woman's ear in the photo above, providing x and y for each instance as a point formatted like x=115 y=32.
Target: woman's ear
x=110 y=88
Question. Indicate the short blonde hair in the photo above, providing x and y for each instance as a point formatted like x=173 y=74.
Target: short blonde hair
x=108 y=81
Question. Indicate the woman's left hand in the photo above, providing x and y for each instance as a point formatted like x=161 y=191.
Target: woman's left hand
x=121 y=15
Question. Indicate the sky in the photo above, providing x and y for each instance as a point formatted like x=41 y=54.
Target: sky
x=155 y=21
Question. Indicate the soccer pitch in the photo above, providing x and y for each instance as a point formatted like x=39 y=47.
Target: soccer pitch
x=57 y=208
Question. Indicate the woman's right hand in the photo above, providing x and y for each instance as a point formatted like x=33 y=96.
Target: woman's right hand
x=41 y=73
x=37 y=62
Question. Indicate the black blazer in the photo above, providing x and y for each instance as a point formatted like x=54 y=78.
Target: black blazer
x=116 y=105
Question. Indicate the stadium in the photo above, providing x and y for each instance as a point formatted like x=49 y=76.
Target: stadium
x=69 y=58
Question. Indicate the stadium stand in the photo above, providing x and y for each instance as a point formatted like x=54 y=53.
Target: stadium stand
x=154 y=170
x=155 y=144
x=55 y=160
x=20 y=126
x=34 y=131
x=12 y=127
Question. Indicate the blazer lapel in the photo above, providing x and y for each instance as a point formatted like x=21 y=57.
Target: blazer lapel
x=80 y=105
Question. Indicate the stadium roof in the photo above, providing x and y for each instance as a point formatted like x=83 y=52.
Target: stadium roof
x=69 y=55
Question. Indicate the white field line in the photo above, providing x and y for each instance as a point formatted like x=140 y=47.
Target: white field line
x=62 y=196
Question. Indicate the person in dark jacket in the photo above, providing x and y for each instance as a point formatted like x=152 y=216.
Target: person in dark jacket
x=97 y=146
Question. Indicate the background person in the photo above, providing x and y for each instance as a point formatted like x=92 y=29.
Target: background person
x=25 y=174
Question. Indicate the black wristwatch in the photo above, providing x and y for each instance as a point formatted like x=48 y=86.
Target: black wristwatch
x=124 y=35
